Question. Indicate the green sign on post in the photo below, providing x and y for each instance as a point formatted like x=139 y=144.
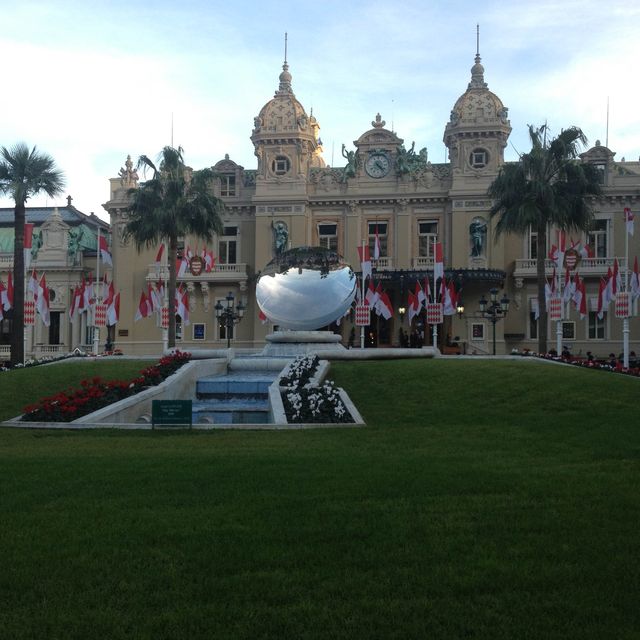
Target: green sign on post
x=171 y=412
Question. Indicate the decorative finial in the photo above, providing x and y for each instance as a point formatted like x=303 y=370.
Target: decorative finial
x=477 y=71
x=378 y=123
x=285 y=76
x=69 y=199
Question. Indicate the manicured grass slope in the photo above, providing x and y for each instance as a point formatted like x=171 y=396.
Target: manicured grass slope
x=477 y=504
x=26 y=386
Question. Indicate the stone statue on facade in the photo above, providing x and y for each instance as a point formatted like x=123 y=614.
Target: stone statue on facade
x=75 y=236
x=280 y=237
x=477 y=236
x=36 y=244
x=128 y=175
x=352 y=164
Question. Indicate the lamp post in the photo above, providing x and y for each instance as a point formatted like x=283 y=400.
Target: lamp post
x=229 y=316
x=494 y=310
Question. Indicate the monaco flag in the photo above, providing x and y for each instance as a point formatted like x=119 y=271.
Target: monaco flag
x=42 y=305
x=438 y=262
x=113 y=310
x=628 y=218
x=6 y=294
x=144 y=308
x=365 y=261
x=634 y=284
x=376 y=245
x=104 y=251
x=28 y=244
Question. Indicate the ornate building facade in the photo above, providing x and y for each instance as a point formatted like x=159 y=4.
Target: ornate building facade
x=387 y=188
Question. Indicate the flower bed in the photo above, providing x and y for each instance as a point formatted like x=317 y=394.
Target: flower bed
x=612 y=364
x=305 y=402
x=96 y=393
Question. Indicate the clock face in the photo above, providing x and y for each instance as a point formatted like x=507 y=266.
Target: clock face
x=377 y=165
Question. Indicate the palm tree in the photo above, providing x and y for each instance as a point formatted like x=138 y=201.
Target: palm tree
x=548 y=186
x=175 y=202
x=24 y=173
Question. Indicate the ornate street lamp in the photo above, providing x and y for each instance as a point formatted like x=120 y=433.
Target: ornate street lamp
x=460 y=308
x=494 y=310
x=229 y=316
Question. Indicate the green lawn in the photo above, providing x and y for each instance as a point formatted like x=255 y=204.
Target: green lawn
x=483 y=500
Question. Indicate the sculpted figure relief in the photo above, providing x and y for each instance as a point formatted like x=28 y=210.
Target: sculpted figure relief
x=280 y=237
x=477 y=235
x=352 y=164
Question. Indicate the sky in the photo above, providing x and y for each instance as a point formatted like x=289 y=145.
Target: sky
x=91 y=82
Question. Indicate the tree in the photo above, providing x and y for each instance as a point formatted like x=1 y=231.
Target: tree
x=24 y=173
x=548 y=186
x=175 y=202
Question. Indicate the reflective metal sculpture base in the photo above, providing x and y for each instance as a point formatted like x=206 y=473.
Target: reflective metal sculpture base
x=295 y=343
x=302 y=290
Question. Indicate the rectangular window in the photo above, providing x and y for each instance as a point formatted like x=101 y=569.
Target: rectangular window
x=54 y=327
x=199 y=331
x=597 y=238
x=178 y=328
x=533 y=244
x=328 y=236
x=382 y=236
x=228 y=246
x=427 y=237
x=227 y=186
x=568 y=330
x=477 y=331
x=596 y=326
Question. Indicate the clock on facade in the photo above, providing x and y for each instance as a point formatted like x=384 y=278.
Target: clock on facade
x=377 y=165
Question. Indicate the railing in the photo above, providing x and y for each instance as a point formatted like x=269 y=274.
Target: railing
x=220 y=273
x=50 y=349
x=383 y=263
x=421 y=262
x=586 y=266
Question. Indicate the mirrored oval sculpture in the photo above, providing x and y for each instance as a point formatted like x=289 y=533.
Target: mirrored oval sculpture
x=306 y=288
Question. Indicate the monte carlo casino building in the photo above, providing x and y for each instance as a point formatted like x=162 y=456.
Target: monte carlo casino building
x=411 y=201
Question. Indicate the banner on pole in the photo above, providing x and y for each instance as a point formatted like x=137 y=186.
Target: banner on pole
x=101 y=315
x=29 y=313
x=434 y=313
x=555 y=308
x=363 y=315
x=165 y=317
x=622 y=305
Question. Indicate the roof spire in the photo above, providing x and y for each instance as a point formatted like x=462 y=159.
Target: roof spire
x=477 y=71
x=285 y=76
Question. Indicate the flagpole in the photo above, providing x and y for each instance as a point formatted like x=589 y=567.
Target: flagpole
x=96 y=288
x=434 y=326
x=561 y=251
x=625 y=320
x=362 y=301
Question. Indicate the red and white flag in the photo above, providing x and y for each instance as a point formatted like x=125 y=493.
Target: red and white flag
x=209 y=260
x=376 y=245
x=450 y=299
x=365 y=261
x=602 y=303
x=6 y=296
x=42 y=304
x=413 y=306
x=635 y=280
x=182 y=305
x=113 y=310
x=385 y=307
x=371 y=297
x=628 y=219
x=105 y=254
x=28 y=244
x=159 y=255
x=420 y=296
x=33 y=284
x=144 y=308
x=569 y=287
x=438 y=262
x=427 y=292
x=262 y=317
x=87 y=293
x=182 y=264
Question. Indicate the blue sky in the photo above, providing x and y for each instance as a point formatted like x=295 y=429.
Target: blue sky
x=93 y=82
